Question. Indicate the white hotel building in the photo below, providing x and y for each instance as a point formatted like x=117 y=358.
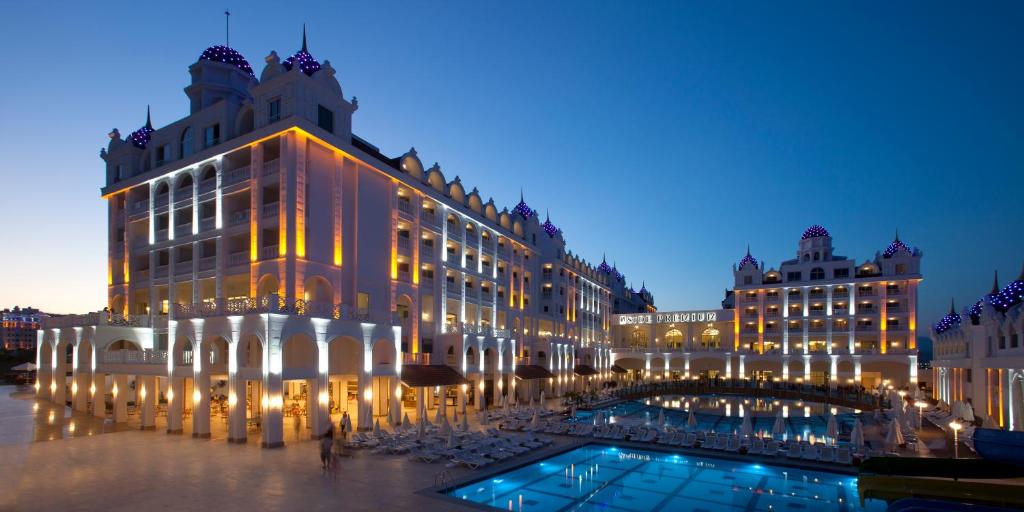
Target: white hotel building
x=264 y=261
x=978 y=356
x=819 y=318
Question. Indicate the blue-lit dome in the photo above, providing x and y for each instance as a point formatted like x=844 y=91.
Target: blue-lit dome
x=896 y=246
x=140 y=138
x=747 y=260
x=307 y=64
x=950 y=321
x=1011 y=295
x=975 y=312
x=814 y=232
x=523 y=209
x=549 y=228
x=227 y=55
x=603 y=267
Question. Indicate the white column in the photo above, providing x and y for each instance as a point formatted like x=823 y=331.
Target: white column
x=200 y=388
x=743 y=372
x=146 y=393
x=120 y=395
x=98 y=392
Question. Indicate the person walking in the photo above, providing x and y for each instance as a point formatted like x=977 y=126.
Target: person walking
x=325 y=448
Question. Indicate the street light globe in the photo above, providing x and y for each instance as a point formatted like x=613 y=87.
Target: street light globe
x=955 y=425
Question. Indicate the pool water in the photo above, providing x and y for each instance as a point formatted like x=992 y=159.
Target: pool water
x=716 y=413
x=602 y=477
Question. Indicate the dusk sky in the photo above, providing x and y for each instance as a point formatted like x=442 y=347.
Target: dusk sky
x=668 y=135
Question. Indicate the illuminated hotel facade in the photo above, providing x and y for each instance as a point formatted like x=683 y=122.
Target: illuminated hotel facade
x=260 y=252
x=818 y=318
x=978 y=356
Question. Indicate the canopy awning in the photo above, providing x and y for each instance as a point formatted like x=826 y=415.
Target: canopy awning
x=618 y=369
x=584 y=370
x=532 y=371
x=430 y=375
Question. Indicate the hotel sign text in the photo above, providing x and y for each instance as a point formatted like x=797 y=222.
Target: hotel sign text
x=667 y=318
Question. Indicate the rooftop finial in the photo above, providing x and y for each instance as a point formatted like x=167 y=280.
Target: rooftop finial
x=1021 y=276
x=897 y=234
x=748 y=249
x=227 y=28
x=520 y=194
x=149 y=124
x=304 y=37
x=547 y=215
x=952 y=306
x=995 y=284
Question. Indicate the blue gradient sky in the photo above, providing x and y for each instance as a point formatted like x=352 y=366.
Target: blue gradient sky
x=668 y=135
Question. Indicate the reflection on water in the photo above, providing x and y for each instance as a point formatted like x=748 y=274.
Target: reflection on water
x=725 y=413
x=23 y=419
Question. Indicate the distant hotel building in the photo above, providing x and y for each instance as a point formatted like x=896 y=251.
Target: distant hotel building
x=18 y=328
x=978 y=356
x=818 y=318
x=259 y=247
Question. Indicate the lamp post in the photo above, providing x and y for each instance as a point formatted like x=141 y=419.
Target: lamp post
x=920 y=404
x=956 y=426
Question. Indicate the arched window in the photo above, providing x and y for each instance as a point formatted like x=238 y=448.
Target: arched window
x=209 y=173
x=638 y=339
x=711 y=338
x=817 y=273
x=817 y=256
x=162 y=189
x=674 y=339
x=186 y=142
x=185 y=182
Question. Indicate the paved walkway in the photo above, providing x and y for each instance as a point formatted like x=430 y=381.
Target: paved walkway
x=150 y=471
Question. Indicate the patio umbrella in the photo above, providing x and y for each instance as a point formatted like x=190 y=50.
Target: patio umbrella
x=536 y=420
x=455 y=416
x=857 y=436
x=691 y=420
x=531 y=400
x=779 y=428
x=462 y=403
x=376 y=427
x=24 y=367
x=833 y=428
x=348 y=424
x=445 y=427
x=661 y=417
x=438 y=415
x=506 y=407
x=405 y=421
x=572 y=411
x=465 y=423
x=746 y=428
x=542 y=406
x=451 y=440
x=422 y=431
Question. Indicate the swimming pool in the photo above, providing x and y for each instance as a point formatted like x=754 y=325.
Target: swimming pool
x=724 y=413
x=602 y=477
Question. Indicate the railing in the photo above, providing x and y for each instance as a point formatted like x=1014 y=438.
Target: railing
x=207 y=186
x=183 y=267
x=269 y=252
x=207 y=224
x=405 y=206
x=207 y=263
x=95 y=318
x=428 y=217
x=183 y=230
x=853 y=397
x=140 y=206
x=403 y=242
x=840 y=295
x=271 y=210
x=236 y=175
x=271 y=167
x=239 y=217
x=277 y=304
x=238 y=258
x=161 y=234
x=147 y=356
x=418 y=358
x=161 y=271
x=866 y=328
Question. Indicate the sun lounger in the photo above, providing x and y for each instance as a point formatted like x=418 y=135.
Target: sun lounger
x=794 y=451
x=810 y=452
x=771 y=448
x=843 y=455
x=732 y=444
x=756 y=447
x=828 y=454
x=720 y=442
x=690 y=441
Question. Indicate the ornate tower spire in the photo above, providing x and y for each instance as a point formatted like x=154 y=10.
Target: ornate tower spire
x=149 y=122
x=952 y=306
x=995 y=284
x=304 y=38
